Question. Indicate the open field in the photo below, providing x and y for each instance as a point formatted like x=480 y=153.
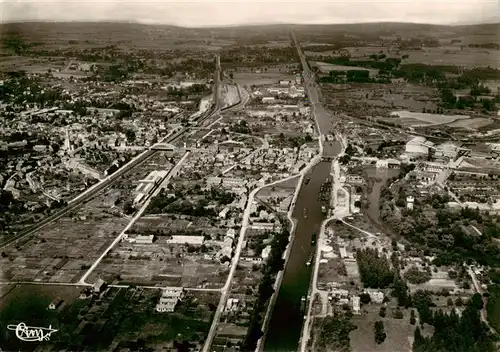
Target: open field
x=399 y=332
x=362 y=100
x=61 y=252
x=468 y=58
x=443 y=55
x=434 y=119
x=137 y=36
x=260 y=78
x=473 y=123
x=161 y=264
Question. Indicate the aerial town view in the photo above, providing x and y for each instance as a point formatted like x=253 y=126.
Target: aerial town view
x=248 y=187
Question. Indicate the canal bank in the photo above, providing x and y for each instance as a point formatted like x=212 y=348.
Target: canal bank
x=286 y=321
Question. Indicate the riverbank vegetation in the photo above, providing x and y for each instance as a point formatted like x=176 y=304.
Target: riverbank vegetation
x=274 y=264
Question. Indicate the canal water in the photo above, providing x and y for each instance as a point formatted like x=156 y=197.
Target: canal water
x=287 y=317
x=377 y=179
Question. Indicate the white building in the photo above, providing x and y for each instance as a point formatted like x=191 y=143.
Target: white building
x=233 y=182
x=144 y=239
x=169 y=299
x=418 y=145
x=447 y=150
x=223 y=213
x=99 y=285
x=193 y=240
x=356 y=307
x=375 y=295
x=387 y=163
x=410 y=200
x=268 y=99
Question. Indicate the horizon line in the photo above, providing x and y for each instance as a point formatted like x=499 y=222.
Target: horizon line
x=254 y=24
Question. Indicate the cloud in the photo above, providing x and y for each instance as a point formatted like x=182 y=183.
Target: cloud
x=214 y=12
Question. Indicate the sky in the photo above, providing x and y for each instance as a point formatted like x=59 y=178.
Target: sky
x=203 y=13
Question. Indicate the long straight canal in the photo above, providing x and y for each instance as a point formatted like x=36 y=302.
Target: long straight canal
x=288 y=315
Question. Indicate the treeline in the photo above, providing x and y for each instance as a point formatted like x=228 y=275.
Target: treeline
x=454 y=333
x=374 y=269
x=353 y=76
x=274 y=264
x=494 y=46
x=334 y=333
x=174 y=203
x=386 y=64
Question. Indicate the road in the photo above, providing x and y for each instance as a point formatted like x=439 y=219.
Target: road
x=138 y=214
x=98 y=187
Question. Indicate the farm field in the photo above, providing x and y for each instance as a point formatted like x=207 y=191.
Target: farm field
x=434 y=119
x=160 y=264
x=473 y=123
x=444 y=55
x=399 y=332
x=65 y=249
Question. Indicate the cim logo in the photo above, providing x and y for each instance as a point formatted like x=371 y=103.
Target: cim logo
x=31 y=333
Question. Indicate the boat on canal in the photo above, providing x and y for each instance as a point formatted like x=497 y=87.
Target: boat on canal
x=313 y=238
x=305 y=213
x=303 y=304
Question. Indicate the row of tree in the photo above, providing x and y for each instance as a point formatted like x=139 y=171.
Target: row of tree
x=274 y=264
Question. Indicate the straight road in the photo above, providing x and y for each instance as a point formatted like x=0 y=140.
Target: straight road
x=139 y=213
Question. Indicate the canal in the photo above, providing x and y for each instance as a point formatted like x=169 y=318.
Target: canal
x=287 y=317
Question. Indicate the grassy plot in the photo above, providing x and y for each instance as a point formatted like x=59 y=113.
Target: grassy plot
x=399 y=333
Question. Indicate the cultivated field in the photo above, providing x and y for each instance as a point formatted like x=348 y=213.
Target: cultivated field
x=472 y=124
x=434 y=119
x=65 y=249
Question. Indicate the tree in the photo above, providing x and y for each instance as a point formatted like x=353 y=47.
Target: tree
x=380 y=334
x=128 y=208
x=130 y=134
x=397 y=314
x=476 y=301
x=413 y=320
x=382 y=312
x=365 y=298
